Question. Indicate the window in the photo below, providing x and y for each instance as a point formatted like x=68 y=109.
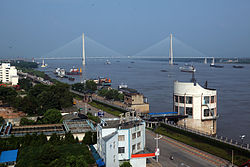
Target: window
x=189 y=100
x=206 y=100
x=212 y=99
x=114 y=157
x=138 y=146
x=176 y=109
x=139 y=134
x=133 y=135
x=212 y=112
x=121 y=137
x=206 y=112
x=181 y=99
x=114 y=145
x=133 y=147
x=189 y=111
x=181 y=110
x=176 y=98
x=121 y=150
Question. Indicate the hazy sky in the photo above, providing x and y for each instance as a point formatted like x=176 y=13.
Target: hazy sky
x=31 y=28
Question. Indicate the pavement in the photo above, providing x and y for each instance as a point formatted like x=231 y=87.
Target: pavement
x=184 y=155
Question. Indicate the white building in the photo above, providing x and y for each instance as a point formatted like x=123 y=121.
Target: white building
x=119 y=141
x=199 y=104
x=8 y=74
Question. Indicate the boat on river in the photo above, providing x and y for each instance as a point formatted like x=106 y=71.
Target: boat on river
x=74 y=71
x=188 y=68
x=214 y=65
x=238 y=66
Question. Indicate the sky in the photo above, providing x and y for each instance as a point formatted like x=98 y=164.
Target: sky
x=32 y=28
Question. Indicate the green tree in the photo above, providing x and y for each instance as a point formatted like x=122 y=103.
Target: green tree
x=25 y=121
x=2 y=121
x=47 y=100
x=25 y=84
x=52 y=116
x=55 y=139
x=38 y=89
x=69 y=138
x=48 y=153
x=125 y=164
x=88 y=138
x=28 y=105
x=91 y=86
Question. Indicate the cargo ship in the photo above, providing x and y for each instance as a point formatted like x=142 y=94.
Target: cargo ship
x=74 y=71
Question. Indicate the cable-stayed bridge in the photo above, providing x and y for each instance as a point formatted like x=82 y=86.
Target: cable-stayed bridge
x=170 y=47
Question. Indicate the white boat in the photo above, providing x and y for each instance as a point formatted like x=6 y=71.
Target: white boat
x=43 y=64
x=108 y=62
x=187 y=68
x=216 y=66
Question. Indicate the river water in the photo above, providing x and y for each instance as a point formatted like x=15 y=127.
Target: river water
x=233 y=86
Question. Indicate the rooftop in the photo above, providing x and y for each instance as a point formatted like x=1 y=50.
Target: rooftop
x=8 y=156
x=106 y=138
x=115 y=123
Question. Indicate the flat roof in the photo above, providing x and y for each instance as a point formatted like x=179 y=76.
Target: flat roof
x=125 y=125
x=8 y=156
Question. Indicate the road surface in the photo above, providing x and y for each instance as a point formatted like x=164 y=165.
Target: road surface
x=184 y=155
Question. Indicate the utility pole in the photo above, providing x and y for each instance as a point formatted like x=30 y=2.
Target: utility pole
x=232 y=157
x=157 y=150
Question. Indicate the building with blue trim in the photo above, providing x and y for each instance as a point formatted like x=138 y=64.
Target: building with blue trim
x=119 y=139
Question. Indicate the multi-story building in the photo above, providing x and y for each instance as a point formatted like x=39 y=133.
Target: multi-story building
x=8 y=74
x=135 y=100
x=198 y=104
x=119 y=141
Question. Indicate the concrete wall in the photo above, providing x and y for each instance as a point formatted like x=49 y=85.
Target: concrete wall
x=208 y=126
x=111 y=152
x=138 y=162
x=198 y=121
x=137 y=140
x=125 y=144
x=143 y=108
x=134 y=99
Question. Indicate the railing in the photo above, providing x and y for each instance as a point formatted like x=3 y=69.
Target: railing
x=222 y=139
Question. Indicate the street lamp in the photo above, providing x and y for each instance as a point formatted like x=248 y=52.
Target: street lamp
x=157 y=150
x=242 y=138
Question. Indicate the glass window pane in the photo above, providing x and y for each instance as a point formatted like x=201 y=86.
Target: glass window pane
x=189 y=111
x=181 y=110
x=181 y=98
x=176 y=109
x=189 y=100
x=176 y=98
x=212 y=99
x=206 y=100
x=206 y=112
x=121 y=138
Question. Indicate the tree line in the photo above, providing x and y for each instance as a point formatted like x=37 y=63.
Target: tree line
x=36 y=150
x=38 y=99
x=111 y=94
x=89 y=87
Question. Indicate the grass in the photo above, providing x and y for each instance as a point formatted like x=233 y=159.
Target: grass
x=106 y=108
x=206 y=144
x=93 y=118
